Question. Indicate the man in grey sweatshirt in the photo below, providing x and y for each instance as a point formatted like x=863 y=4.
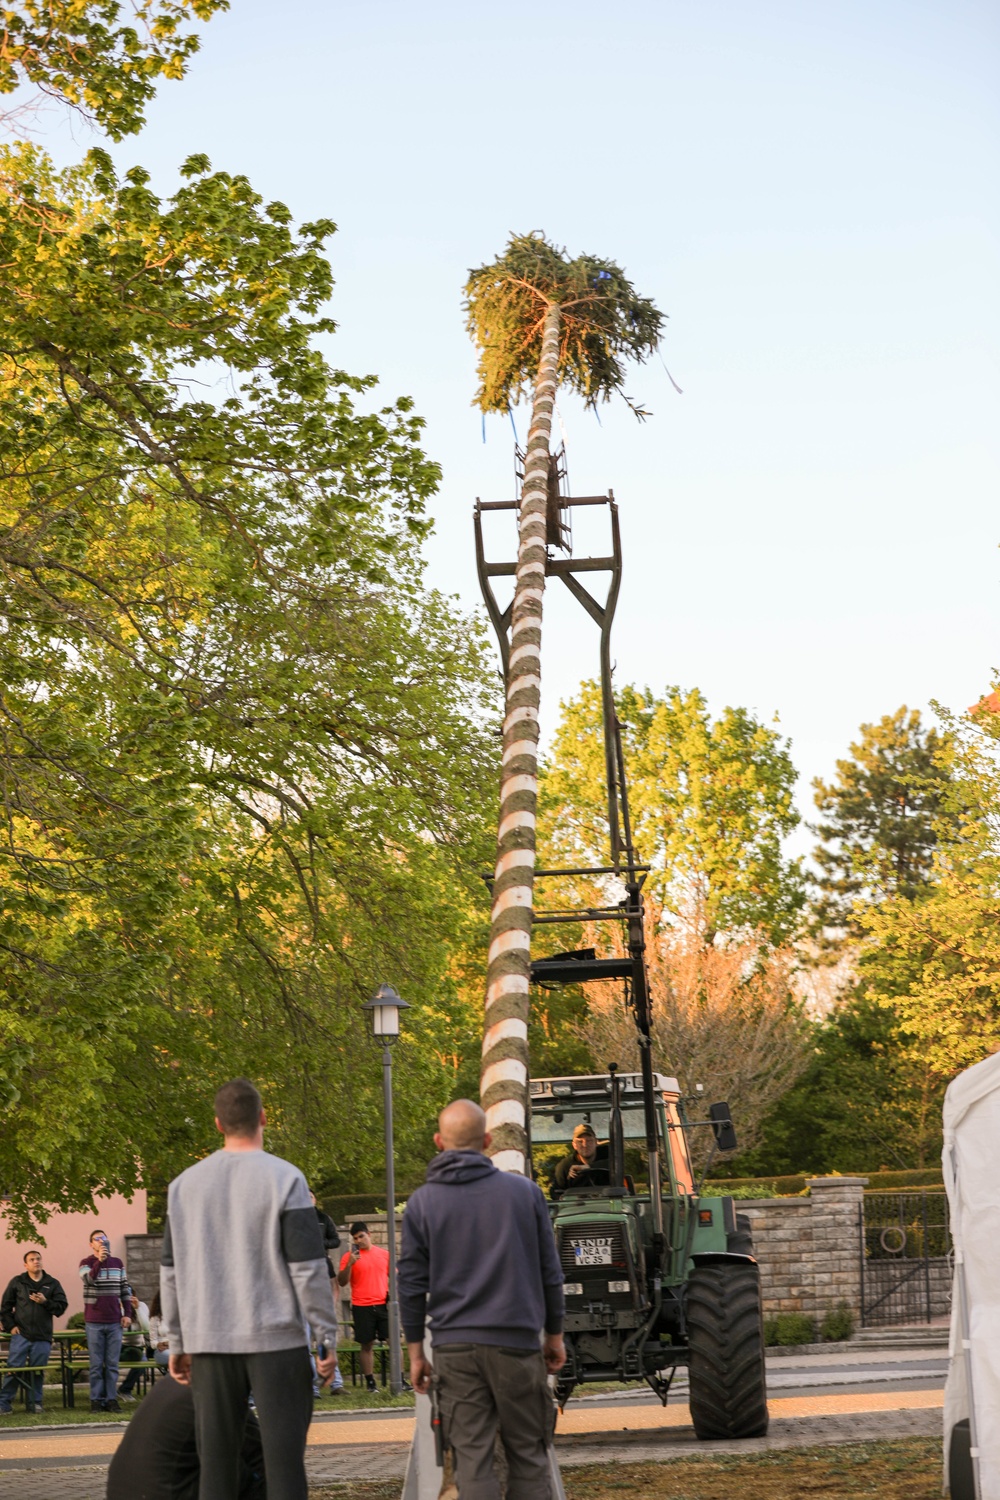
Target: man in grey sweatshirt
x=479 y=1258
x=243 y=1274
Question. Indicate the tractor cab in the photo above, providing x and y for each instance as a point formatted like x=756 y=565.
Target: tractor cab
x=569 y=1110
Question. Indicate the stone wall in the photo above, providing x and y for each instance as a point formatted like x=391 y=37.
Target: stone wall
x=142 y=1262
x=809 y=1248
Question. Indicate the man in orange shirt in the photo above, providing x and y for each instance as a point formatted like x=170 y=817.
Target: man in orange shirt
x=366 y=1267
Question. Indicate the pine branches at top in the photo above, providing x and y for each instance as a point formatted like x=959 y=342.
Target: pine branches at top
x=603 y=321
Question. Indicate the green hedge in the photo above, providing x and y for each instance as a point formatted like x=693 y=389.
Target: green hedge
x=343 y=1208
x=789 y=1187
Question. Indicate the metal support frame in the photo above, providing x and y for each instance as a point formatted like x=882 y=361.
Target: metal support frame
x=585 y=966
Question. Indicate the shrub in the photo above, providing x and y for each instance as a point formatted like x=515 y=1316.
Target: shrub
x=742 y=1192
x=789 y=1328
x=76 y=1320
x=837 y=1324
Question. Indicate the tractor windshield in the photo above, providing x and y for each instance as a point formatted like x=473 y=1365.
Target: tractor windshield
x=569 y=1144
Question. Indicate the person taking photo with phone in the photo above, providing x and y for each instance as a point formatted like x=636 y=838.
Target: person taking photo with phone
x=107 y=1312
x=28 y=1306
x=366 y=1267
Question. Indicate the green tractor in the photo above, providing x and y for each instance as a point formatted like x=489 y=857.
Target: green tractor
x=657 y=1280
x=657 y=1276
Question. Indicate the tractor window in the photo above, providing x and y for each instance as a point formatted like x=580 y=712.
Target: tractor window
x=553 y=1125
x=552 y=1137
x=679 y=1157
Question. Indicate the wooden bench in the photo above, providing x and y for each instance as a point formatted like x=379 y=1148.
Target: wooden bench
x=148 y=1370
x=26 y=1386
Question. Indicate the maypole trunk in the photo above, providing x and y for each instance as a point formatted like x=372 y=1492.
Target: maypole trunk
x=504 y=1079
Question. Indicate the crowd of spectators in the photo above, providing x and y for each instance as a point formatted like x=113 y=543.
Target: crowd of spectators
x=247 y=1285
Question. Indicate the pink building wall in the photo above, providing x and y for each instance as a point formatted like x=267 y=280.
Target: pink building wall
x=67 y=1242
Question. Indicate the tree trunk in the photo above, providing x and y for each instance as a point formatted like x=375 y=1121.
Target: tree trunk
x=504 y=1080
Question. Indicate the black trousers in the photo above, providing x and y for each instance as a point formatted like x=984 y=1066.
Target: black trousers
x=282 y=1390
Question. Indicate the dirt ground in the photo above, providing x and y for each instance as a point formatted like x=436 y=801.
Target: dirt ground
x=907 y=1469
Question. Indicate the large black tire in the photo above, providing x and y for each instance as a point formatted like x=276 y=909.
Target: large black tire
x=727 y=1382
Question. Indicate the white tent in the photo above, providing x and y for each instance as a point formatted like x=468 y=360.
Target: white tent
x=972 y=1177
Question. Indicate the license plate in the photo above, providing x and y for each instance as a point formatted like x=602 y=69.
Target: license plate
x=595 y=1253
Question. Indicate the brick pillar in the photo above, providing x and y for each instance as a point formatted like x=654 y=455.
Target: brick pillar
x=834 y=1272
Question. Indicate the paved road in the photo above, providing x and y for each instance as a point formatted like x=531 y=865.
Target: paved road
x=813 y=1399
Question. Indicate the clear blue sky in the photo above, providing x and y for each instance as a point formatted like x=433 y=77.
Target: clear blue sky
x=809 y=191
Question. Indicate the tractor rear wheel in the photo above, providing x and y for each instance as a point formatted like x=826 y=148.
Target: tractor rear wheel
x=727 y=1383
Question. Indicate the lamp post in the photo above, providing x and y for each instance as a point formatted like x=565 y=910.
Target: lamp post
x=384 y=1008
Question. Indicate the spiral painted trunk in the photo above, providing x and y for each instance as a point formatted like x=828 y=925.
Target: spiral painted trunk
x=504 y=1079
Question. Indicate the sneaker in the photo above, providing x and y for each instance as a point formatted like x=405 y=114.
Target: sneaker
x=336 y=1384
x=124 y=1396
x=113 y=1405
x=370 y=1383
x=6 y=1411
x=97 y=1405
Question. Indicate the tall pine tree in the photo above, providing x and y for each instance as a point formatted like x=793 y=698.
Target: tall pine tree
x=879 y=821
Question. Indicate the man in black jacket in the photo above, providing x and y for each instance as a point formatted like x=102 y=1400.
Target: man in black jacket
x=29 y=1304
x=328 y=1229
x=586 y=1167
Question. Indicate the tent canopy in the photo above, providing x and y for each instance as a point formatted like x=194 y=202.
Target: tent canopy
x=972 y=1177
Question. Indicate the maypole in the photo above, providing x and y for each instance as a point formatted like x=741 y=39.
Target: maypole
x=538 y=318
x=504 y=1077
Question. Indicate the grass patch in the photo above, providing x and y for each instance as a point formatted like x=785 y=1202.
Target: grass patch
x=904 y=1469
x=372 y=1489
x=59 y=1416
x=351 y=1398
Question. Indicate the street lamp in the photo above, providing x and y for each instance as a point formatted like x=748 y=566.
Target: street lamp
x=384 y=1008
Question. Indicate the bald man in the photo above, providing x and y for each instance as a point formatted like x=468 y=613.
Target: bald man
x=479 y=1258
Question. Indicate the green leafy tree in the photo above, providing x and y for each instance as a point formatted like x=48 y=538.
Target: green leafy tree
x=99 y=56
x=710 y=800
x=865 y=1102
x=881 y=819
x=923 y=1001
x=244 y=750
x=537 y=318
x=933 y=954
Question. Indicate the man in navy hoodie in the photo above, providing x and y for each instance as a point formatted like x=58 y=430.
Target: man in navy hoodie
x=479 y=1258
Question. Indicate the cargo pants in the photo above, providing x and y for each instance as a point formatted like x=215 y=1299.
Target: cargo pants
x=483 y=1387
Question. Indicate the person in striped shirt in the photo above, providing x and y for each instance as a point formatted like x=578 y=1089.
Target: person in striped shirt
x=107 y=1310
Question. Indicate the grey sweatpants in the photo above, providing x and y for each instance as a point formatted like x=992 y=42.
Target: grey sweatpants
x=282 y=1391
x=482 y=1387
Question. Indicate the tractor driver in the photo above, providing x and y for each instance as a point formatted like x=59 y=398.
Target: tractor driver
x=587 y=1167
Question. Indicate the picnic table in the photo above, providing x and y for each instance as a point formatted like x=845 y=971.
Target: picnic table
x=71 y=1359
x=74 y=1359
x=23 y=1374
